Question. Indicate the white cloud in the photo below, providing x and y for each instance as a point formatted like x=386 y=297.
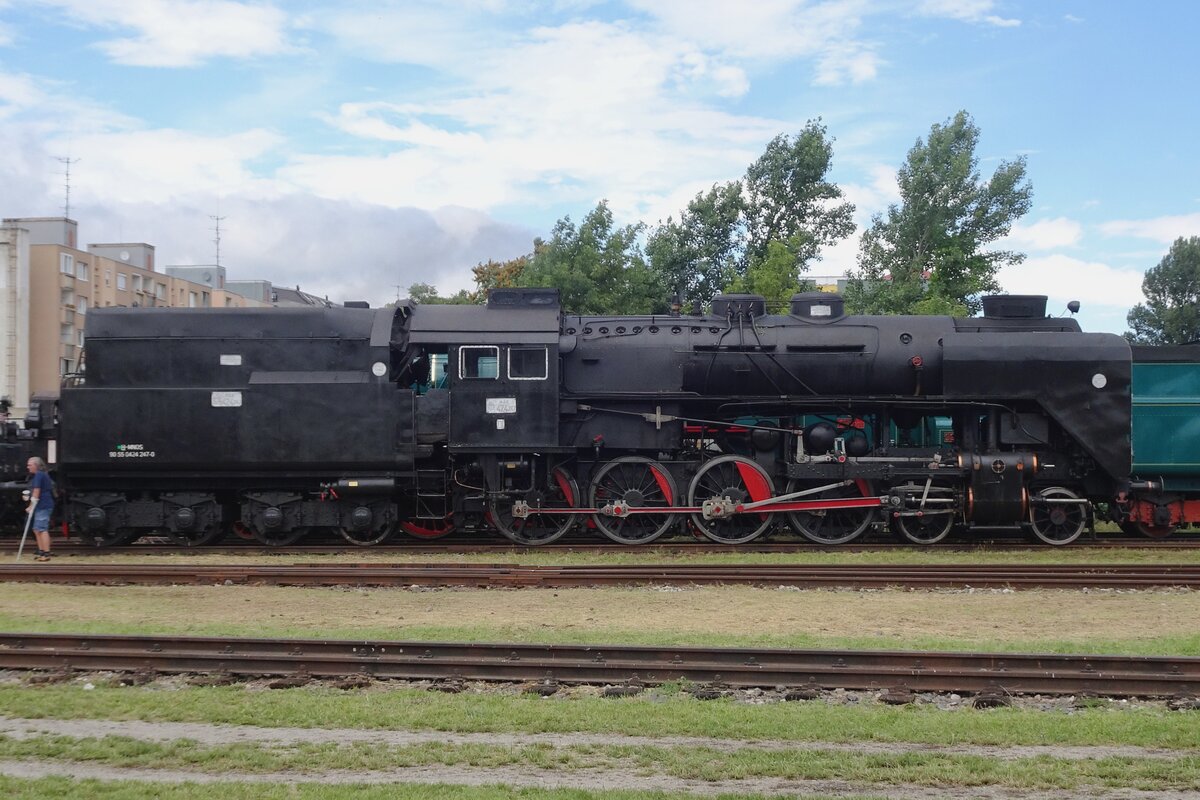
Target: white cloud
x=163 y=165
x=434 y=35
x=1045 y=234
x=182 y=33
x=345 y=251
x=1161 y=229
x=966 y=11
x=6 y=34
x=571 y=114
x=1064 y=278
x=18 y=93
x=847 y=63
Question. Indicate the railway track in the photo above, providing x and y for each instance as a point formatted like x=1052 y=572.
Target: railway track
x=166 y=547
x=1006 y=673
x=1015 y=576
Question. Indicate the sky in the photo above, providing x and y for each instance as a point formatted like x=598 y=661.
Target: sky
x=355 y=148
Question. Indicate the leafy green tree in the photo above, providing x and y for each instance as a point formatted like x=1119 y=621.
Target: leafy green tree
x=928 y=255
x=776 y=277
x=597 y=267
x=785 y=200
x=427 y=294
x=698 y=255
x=1171 y=313
x=789 y=198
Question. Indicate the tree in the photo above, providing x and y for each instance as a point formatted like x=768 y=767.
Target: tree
x=427 y=294
x=497 y=275
x=775 y=277
x=928 y=255
x=697 y=256
x=784 y=201
x=598 y=268
x=1171 y=313
x=789 y=199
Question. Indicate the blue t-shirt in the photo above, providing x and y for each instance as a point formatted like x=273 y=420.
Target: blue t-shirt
x=46 y=499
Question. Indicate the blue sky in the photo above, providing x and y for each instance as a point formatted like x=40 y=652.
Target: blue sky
x=356 y=146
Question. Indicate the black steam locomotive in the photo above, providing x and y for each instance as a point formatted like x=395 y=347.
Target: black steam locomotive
x=518 y=419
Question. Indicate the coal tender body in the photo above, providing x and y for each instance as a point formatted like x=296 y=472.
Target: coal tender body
x=269 y=422
x=516 y=419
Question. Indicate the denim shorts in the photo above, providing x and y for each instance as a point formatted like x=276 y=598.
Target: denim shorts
x=41 y=520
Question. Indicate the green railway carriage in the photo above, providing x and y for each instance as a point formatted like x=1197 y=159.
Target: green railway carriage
x=1166 y=438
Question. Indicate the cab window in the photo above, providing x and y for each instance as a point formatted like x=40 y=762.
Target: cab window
x=477 y=361
x=527 y=363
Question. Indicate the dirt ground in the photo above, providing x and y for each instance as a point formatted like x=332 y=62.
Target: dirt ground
x=890 y=616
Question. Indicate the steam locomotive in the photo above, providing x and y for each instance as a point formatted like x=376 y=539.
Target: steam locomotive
x=518 y=419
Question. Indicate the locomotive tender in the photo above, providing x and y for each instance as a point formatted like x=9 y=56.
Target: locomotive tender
x=516 y=418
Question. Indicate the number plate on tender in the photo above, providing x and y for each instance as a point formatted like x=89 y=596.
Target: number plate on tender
x=502 y=405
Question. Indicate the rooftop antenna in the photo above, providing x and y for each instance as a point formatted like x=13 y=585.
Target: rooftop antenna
x=217 y=239
x=68 y=161
x=397 y=293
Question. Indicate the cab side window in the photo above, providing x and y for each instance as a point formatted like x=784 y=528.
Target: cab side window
x=479 y=362
x=528 y=363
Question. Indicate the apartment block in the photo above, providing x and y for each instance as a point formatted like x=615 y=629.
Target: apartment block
x=48 y=285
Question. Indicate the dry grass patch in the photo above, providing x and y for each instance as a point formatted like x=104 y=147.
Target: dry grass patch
x=787 y=617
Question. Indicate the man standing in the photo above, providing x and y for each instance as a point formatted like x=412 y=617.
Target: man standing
x=41 y=503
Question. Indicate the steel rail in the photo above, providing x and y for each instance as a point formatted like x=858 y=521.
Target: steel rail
x=1015 y=576
x=461 y=543
x=732 y=667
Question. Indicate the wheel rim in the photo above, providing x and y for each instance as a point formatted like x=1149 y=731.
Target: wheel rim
x=832 y=526
x=1057 y=524
x=280 y=538
x=376 y=534
x=429 y=529
x=1155 y=531
x=198 y=538
x=930 y=527
x=115 y=538
x=742 y=481
x=639 y=483
x=537 y=529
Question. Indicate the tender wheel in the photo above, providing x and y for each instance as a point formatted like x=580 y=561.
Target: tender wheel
x=372 y=535
x=429 y=528
x=932 y=526
x=636 y=482
x=1154 y=531
x=833 y=526
x=537 y=529
x=114 y=538
x=275 y=537
x=1058 y=523
x=742 y=481
x=199 y=537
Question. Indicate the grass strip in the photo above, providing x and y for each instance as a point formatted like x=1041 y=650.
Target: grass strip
x=664 y=712
x=1184 y=645
x=691 y=763
x=70 y=789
